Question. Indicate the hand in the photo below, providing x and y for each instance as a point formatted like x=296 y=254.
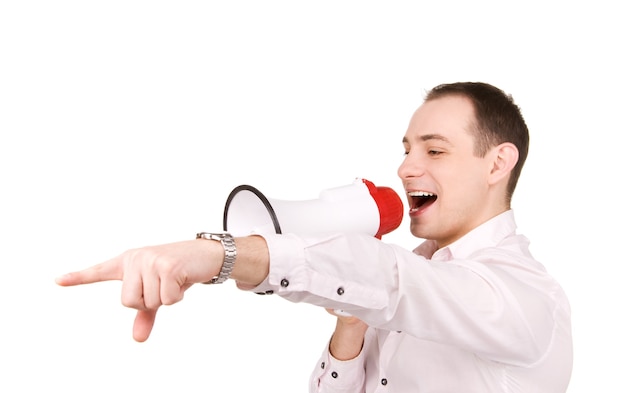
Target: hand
x=347 y=340
x=154 y=276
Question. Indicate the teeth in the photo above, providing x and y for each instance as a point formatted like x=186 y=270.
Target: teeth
x=421 y=194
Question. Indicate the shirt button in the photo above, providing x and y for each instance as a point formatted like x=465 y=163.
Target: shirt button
x=340 y=291
x=323 y=365
x=383 y=381
x=284 y=283
x=334 y=374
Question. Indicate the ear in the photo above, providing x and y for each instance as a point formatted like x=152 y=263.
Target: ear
x=504 y=157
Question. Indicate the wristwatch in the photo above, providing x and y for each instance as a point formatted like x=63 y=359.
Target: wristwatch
x=230 y=254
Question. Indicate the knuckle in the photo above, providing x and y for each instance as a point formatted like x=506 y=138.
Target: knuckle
x=132 y=302
x=173 y=293
x=169 y=299
x=152 y=304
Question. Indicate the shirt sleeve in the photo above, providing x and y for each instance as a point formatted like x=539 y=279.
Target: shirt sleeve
x=338 y=376
x=328 y=271
x=464 y=303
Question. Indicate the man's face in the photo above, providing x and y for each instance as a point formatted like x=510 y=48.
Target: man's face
x=446 y=184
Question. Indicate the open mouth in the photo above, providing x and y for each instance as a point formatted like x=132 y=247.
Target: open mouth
x=421 y=199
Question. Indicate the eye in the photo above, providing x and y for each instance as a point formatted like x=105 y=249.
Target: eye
x=433 y=152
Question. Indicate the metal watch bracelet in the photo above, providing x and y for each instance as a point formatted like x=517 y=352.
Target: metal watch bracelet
x=230 y=254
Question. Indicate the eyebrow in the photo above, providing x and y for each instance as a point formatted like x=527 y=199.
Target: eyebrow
x=428 y=137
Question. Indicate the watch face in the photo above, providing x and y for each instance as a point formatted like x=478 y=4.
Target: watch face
x=216 y=236
x=212 y=235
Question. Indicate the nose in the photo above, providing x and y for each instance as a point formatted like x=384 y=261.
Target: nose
x=410 y=167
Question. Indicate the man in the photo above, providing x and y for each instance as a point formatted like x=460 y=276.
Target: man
x=468 y=310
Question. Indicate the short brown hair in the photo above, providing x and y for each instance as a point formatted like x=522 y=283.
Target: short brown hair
x=498 y=120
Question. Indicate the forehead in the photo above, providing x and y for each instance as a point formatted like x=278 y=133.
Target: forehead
x=450 y=117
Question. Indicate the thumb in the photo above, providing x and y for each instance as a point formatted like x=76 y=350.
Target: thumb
x=144 y=321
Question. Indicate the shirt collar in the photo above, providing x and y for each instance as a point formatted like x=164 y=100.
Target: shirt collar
x=488 y=234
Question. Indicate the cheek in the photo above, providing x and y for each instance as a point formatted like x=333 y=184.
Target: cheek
x=463 y=183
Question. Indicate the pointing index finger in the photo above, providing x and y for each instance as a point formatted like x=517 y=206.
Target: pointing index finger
x=105 y=271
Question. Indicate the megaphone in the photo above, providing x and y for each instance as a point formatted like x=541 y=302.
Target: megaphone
x=360 y=207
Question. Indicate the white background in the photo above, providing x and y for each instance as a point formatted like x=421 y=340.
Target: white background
x=127 y=123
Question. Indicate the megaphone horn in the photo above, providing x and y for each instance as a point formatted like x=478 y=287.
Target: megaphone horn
x=359 y=207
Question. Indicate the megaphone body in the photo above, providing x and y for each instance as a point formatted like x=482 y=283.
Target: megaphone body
x=360 y=207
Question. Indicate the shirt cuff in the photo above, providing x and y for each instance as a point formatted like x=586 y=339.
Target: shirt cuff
x=336 y=375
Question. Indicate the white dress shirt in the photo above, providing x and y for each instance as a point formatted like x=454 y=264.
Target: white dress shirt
x=480 y=315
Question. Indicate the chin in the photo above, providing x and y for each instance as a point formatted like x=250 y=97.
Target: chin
x=418 y=230
x=424 y=231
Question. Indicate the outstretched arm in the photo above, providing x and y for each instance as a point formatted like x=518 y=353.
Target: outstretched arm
x=160 y=275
